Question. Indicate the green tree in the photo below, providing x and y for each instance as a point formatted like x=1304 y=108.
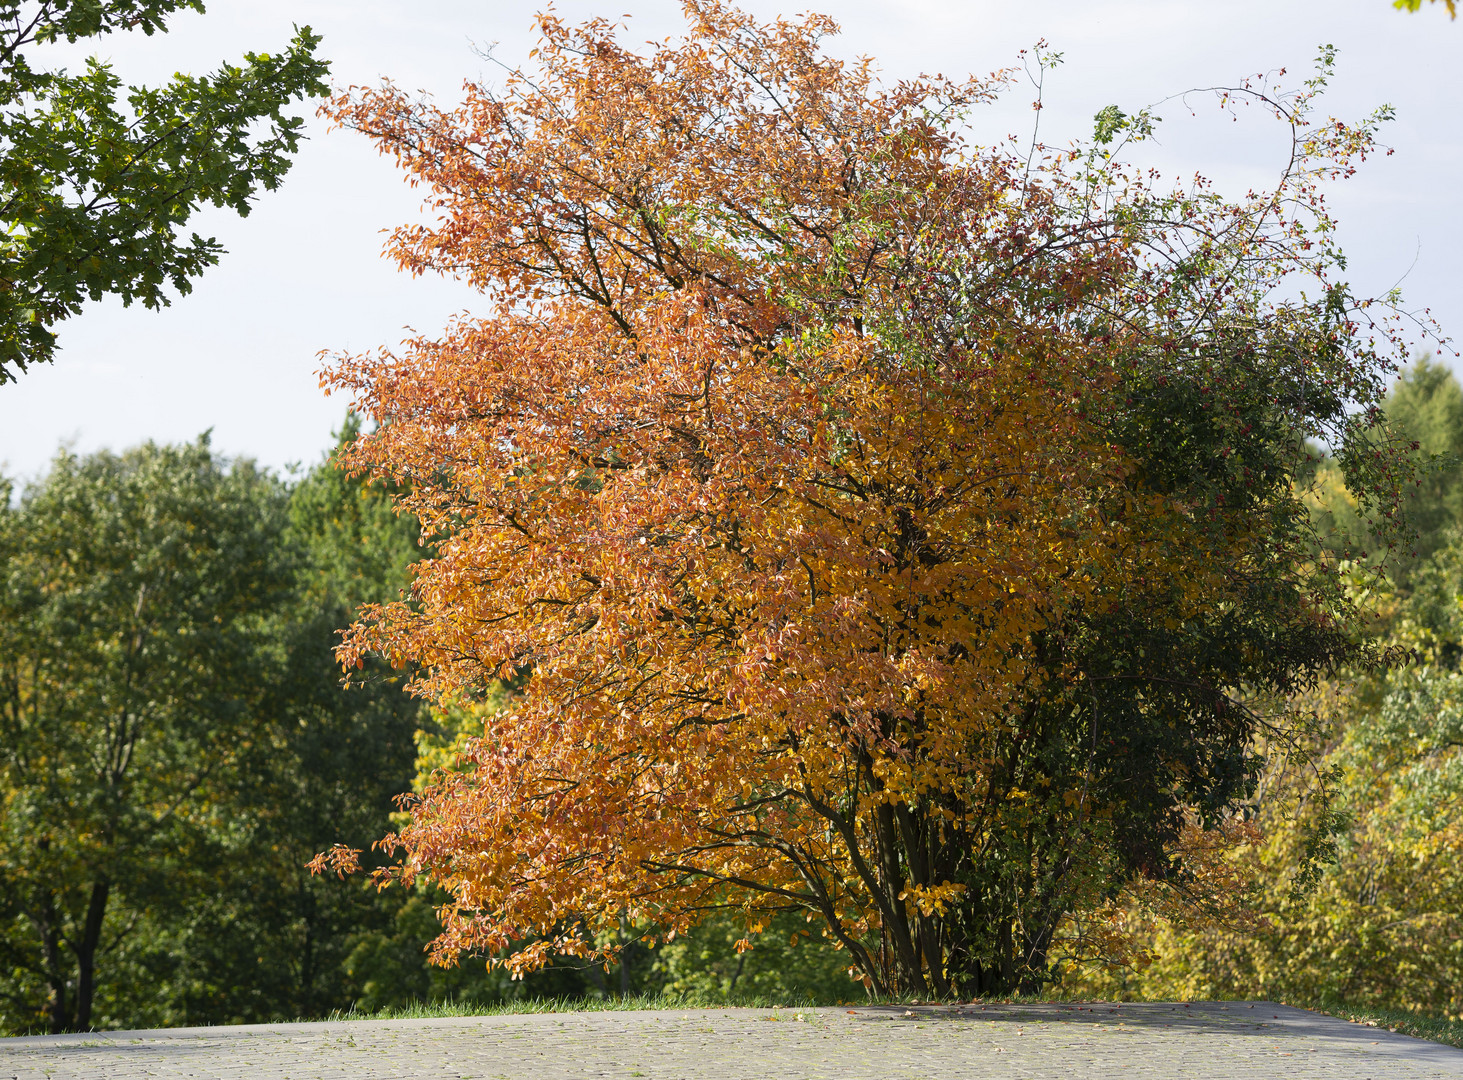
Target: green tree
x=252 y=936
x=133 y=610
x=1422 y=421
x=341 y=754
x=1379 y=923
x=177 y=741
x=93 y=188
x=1425 y=409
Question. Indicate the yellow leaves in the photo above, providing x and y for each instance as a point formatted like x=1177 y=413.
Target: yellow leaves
x=1213 y=891
x=933 y=899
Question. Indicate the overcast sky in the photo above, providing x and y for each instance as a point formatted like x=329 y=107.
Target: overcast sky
x=304 y=274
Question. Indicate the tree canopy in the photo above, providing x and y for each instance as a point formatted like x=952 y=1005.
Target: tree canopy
x=897 y=531
x=95 y=183
x=1416 y=5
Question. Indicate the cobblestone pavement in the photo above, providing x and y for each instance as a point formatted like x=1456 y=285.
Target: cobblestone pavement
x=1228 y=1041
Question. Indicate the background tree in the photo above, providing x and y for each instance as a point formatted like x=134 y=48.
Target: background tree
x=1424 y=420
x=254 y=938
x=93 y=190
x=135 y=594
x=1381 y=925
x=894 y=532
x=177 y=742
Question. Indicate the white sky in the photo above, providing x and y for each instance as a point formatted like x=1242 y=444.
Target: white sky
x=303 y=272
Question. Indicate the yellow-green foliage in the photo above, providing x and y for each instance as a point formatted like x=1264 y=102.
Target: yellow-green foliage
x=440 y=745
x=789 y=960
x=1383 y=924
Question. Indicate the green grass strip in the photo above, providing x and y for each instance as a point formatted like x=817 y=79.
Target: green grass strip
x=1440 y=1029
x=427 y=1010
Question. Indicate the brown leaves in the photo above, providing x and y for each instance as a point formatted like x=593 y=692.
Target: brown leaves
x=339 y=860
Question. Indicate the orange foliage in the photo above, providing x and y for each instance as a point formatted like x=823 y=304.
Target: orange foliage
x=773 y=460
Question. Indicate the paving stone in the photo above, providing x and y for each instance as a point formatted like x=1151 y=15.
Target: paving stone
x=1204 y=1041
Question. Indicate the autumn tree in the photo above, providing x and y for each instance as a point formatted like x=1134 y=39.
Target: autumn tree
x=891 y=530
x=95 y=182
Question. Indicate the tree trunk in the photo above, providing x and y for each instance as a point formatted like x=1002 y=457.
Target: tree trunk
x=737 y=974
x=86 y=953
x=57 y=1010
x=624 y=958
x=1007 y=949
x=908 y=977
